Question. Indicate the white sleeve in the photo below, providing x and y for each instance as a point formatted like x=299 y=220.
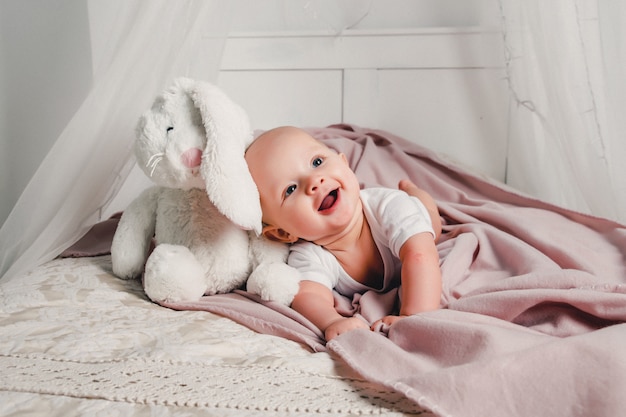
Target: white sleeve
x=399 y=216
x=314 y=263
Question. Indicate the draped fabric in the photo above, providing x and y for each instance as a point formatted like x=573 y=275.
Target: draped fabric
x=566 y=62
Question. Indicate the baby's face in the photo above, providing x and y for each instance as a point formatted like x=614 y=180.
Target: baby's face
x=307 y=189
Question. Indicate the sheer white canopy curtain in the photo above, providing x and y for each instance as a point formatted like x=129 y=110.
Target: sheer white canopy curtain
x=566 y=62
x=149 y=43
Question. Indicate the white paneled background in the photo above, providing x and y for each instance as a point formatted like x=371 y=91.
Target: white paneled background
x=444 y=88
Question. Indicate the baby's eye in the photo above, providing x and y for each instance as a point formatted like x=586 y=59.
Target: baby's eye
x=290 y=190
x=317 y=162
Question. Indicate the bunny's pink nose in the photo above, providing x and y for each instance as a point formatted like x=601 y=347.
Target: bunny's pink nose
x=192 y=157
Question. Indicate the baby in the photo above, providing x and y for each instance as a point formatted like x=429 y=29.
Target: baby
x=344 y=238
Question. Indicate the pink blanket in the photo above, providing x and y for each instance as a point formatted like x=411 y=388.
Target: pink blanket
x=534 y=299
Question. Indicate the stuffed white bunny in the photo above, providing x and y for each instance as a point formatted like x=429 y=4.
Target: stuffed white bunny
x=204 y=213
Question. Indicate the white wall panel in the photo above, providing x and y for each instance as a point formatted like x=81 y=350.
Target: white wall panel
x=353 y=49
x=444 y=88
x=275 y=98
x=460 y=112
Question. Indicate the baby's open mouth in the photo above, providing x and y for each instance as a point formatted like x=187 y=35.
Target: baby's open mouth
x=329 y=200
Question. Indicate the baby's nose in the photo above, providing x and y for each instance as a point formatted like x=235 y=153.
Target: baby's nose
x=314 y=183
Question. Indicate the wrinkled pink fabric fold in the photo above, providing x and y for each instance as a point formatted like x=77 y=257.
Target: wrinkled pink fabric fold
x=262 y=316
x=533 y=304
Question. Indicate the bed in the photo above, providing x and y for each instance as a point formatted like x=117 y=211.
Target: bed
x=76 y=340
x=533 y=318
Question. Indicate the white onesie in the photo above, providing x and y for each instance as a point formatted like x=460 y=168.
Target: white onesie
x=393 y=217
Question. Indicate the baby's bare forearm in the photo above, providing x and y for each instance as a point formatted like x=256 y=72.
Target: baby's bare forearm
x=421 y=290
x=421 y=276
x=315 y=302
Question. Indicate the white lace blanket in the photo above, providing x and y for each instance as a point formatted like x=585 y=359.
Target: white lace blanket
x=75 y=340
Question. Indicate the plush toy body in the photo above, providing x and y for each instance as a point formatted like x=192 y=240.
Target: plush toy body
x=192 y=143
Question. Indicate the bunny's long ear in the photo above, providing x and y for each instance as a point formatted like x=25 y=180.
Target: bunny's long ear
x=229 y=184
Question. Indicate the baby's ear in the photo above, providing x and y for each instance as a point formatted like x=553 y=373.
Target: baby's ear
x=278 y=235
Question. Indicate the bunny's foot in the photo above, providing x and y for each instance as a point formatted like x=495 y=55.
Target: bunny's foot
x=173 y=274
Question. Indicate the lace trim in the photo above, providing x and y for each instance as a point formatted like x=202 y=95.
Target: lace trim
x=251 y=387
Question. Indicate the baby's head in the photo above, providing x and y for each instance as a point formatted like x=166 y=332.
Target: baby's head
x=308 y=190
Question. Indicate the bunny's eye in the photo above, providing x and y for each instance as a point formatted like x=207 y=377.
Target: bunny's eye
x=169 y=129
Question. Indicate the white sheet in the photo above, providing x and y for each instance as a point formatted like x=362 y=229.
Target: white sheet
x=75 y=340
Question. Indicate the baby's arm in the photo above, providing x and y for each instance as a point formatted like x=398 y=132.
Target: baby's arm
x=420 y=277
x=315 y=302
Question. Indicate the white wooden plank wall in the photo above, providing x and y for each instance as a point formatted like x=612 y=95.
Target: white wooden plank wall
x=444 y=88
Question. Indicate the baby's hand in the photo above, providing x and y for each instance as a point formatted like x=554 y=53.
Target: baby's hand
x=343 y=325
x=387 y=320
